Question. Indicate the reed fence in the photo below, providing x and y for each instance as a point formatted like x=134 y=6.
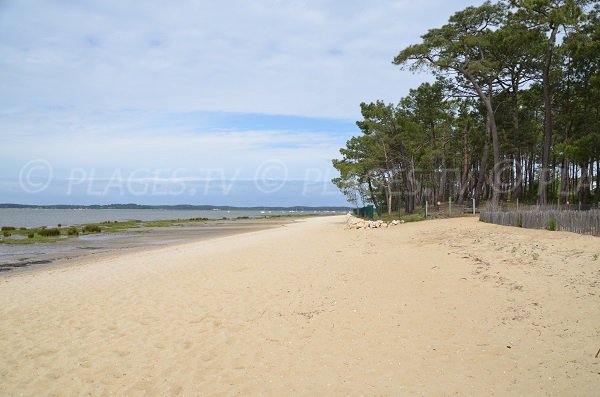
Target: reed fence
x=582 y=222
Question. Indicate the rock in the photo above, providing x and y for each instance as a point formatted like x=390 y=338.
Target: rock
x=354 y=223
x=357 y=224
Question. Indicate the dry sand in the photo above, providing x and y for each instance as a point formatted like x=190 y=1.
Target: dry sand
x=438 y=308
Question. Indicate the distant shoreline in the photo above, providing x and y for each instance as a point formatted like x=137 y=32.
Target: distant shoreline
x=176 y=207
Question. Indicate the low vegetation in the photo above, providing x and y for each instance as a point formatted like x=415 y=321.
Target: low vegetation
x=12 y=235
x=87 y=229
x=54 y=232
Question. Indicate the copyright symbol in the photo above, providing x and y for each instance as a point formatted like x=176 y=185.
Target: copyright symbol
x=35 y=176
x=270 y=176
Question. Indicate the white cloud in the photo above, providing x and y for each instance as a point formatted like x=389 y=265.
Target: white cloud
x=98 y=146
x=318 y=58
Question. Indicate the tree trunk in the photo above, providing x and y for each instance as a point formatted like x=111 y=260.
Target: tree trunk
x=584 y=186
x=482 y=173
x=372 y=194
x=598 y=179
x=388 y=195
x=443 y=178
x=518 y=185
x=409 y=182
x=564 y=180
x=545 y=171
x=518 y=189
x=464 y=180
x=491 y=120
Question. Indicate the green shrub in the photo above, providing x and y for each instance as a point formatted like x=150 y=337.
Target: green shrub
x=49 y=232
x=552 y=224
x=73 y=231
x=31 y=235
x=6 y=233
x=91 y=229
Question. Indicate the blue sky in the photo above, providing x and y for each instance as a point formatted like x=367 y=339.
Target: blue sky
x=121 y=93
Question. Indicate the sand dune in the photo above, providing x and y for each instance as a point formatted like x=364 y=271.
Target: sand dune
x=451 y=307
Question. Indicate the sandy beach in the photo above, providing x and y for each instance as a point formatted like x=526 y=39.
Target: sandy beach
x=436 y=308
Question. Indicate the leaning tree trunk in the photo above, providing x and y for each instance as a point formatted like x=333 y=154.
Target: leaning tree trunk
x=491 y=121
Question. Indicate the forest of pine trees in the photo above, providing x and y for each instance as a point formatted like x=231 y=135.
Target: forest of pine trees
x=514 y=113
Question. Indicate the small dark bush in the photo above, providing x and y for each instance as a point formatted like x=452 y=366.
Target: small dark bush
x=91 y=229
x=6 y=233
x=5 y=228
x=59 y=225
x=31 y=235
x=49 y=232
x=73 y=231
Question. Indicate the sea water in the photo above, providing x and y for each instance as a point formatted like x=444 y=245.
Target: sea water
x=34 y=217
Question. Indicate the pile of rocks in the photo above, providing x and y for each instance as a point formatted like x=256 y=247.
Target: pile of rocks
x=357 y=224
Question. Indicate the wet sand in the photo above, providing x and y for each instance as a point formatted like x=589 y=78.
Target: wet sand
x=17 y=257
x=448 y=307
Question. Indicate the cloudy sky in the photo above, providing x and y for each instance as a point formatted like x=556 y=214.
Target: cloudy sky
x=113 y=101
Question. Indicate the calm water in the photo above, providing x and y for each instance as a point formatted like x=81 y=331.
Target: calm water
x=29 y=217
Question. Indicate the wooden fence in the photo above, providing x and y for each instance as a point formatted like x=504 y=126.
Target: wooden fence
x=583 y=222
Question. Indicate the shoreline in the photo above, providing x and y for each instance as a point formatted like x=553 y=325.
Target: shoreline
x=430 y=308
x=82 y=248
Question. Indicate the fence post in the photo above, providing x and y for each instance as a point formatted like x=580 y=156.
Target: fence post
x=425 y=209
x=473 y=205
x=450 y=206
